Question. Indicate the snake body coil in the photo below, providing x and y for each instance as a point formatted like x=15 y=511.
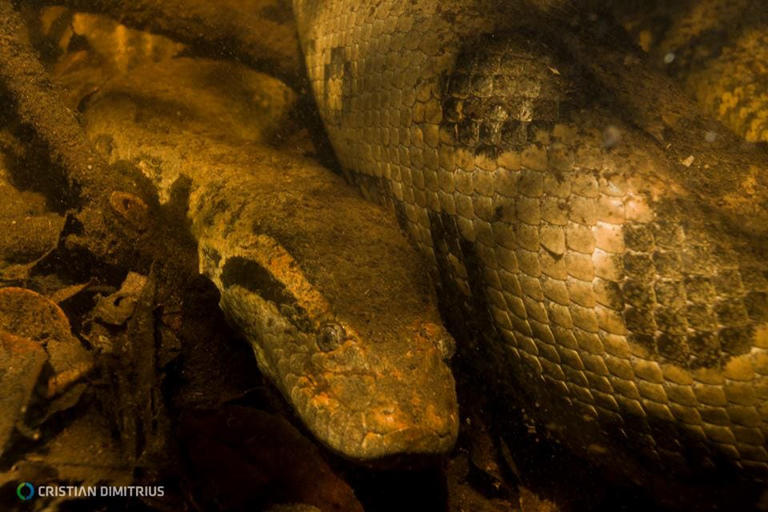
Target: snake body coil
x=612 y=286
x=717 y=49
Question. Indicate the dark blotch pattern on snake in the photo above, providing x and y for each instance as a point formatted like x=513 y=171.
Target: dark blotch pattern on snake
x=605 y=289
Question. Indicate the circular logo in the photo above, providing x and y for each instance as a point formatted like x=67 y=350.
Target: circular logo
x=25 y=491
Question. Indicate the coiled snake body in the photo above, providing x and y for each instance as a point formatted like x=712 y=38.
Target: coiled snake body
x=613 y=286
x=717 y=49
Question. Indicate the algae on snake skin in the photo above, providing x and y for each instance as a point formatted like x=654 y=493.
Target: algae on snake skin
x=323 y=254
x=618 y=291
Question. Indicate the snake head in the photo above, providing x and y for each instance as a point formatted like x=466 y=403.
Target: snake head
x=367 y=381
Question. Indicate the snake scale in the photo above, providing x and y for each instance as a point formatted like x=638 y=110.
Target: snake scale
x=717 y=49
x=322 y=284
x=607 y=260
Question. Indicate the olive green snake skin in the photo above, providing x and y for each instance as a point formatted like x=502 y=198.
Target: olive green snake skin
x=611 y=276
x=717 y=49
x=323 y=285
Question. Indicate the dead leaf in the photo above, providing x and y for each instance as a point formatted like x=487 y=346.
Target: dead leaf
x=21 y=361
x=118 y=307
x=68 y=292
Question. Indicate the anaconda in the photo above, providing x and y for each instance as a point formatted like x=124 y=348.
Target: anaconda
x=325 y=287
x=718 y=50
x=607 y=257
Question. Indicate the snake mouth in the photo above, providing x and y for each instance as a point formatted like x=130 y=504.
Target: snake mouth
x=355 y=436
x=432 y=439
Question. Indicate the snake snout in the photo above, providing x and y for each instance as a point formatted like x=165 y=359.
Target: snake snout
x=440 y=338
x=418 y=414
x=393 y=430
x=383 y=401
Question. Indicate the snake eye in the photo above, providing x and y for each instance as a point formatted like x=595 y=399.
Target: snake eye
x=330 y=336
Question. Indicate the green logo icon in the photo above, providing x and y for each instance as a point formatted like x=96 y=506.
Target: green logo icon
x=25 y=491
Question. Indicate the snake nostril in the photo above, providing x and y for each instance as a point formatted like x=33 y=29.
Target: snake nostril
x=330 y=336
x=440 y=338
x=446 y=345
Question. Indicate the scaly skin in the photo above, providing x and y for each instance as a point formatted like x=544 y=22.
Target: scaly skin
x=324 y=286
x=718 y=49
x=609 y=276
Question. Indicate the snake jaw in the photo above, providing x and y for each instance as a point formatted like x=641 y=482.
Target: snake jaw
x=365 y=393
x=366 y=401
x=381 y=412
x=322 y=284
x=363 y=405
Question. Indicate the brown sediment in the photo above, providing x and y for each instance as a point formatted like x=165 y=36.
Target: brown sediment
x=22 y=360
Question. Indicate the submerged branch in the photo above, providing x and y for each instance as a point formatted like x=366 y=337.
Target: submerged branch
x=88 y=184
x=38 y=104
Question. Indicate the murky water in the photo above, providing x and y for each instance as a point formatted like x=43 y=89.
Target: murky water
x=239 y=276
